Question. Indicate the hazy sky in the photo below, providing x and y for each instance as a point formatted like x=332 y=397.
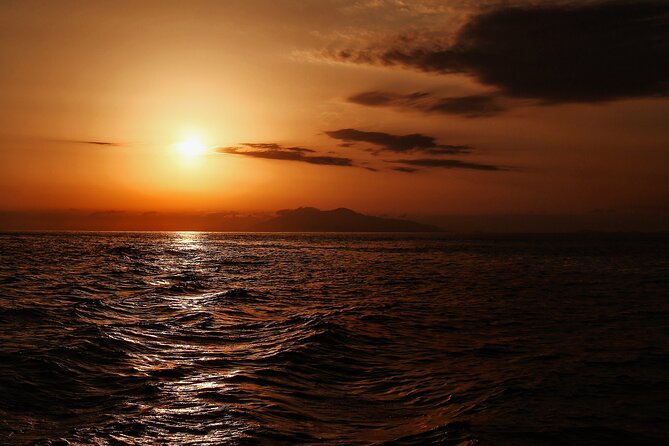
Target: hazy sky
x=383 y=106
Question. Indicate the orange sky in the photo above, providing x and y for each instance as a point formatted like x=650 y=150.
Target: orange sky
x=142 y=76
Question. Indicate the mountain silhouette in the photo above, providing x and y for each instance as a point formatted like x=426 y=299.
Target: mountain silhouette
x=307 y=219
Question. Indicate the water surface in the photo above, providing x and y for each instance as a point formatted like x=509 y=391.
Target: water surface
x=360 y=339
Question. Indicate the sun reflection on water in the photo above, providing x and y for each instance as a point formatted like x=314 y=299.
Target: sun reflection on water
x=188 y=240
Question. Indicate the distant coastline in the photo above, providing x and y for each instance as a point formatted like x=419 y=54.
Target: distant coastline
x=303 y=219
x=308 y=219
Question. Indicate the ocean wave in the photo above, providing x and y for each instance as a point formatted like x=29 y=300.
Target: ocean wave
x=213 y=339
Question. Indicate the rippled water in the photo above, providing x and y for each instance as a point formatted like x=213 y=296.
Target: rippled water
x=198 y=338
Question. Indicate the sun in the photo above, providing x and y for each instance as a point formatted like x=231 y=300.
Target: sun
x=191 y=146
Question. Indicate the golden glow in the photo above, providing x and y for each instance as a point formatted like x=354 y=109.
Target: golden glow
x=191 y=146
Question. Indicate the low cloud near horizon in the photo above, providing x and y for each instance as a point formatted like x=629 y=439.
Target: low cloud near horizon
x=98 y=143
x=382 y=142
x=444 y=164
x=274 y=151
x=415 y=142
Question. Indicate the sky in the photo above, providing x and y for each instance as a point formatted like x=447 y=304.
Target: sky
x=385 y=106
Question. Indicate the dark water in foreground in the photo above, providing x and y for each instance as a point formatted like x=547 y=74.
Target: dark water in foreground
x=196 y=338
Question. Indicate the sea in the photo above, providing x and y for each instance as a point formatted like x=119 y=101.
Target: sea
x=190 y=338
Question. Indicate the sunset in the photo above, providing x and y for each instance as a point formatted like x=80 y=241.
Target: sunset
x=364 y=222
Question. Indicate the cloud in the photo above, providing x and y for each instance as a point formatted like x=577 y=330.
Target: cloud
x=446 y=164
x=472 y=106
x=94 y=143
x=99 y=143
x=405 y=169
x=273 y=146
x=276 y=152
x=403 y=144
x=566 y=52
x=414 y=142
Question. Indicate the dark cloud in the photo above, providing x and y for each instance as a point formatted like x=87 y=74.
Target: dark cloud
x=447 y=164
x=276 y=152
x=273 y=146
x=414 y=142
x=470 y=106
x=405 y=169
x=95 y=143
x=571 y=52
